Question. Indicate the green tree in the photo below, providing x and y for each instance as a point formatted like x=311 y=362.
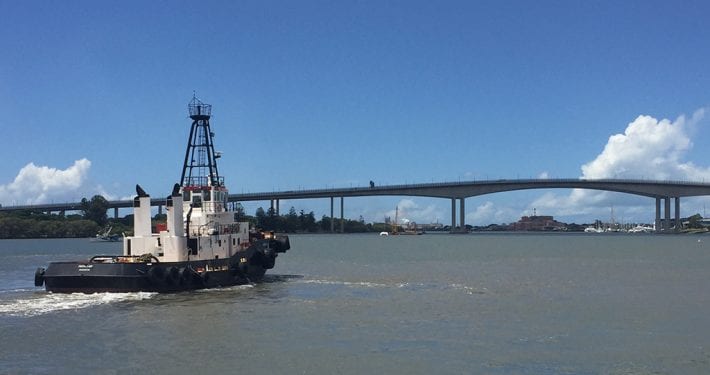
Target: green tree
x=261 y=218
x=695 y=221
x=291 y=221
x=307 y=222
x=325 y=223
x=95 y=209
x=81 y=228
x=239 y=213
x=275 y=222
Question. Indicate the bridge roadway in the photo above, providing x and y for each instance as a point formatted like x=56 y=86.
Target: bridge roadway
x=661 y=191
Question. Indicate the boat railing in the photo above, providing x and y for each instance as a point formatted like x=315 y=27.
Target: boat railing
x=204 y=182
x=145 y=258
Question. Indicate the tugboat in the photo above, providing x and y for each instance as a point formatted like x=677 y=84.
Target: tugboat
x=202 y=245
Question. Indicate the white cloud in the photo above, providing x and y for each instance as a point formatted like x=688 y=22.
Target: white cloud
x=42 y=184
x=489 y=213
x=648 y=149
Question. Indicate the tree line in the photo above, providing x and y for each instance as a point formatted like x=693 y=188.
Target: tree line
x=303 y=222
x=37 y=224
x=93 y=218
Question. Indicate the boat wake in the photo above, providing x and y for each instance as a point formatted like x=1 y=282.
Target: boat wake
x=45 y=303
x=365 y=284
x=408 y=286
x=225 y=289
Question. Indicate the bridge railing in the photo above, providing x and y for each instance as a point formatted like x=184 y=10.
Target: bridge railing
x=334 y=192
x=479 y=182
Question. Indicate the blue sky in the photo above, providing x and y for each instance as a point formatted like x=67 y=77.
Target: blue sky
x=313 y=94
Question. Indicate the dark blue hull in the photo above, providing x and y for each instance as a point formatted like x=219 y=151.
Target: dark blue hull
x=114 y=274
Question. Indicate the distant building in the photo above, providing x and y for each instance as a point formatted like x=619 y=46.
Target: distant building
x=432 y=226
x=537 y=223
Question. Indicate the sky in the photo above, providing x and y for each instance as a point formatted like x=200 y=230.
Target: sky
x=319 y=94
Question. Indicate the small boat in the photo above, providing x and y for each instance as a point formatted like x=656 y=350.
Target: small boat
x=201 y=245
x=642 y=229
x=410 y=228
x=106 y=236
x=593 y=230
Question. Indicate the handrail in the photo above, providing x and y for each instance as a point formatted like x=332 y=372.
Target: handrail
x=145 y=258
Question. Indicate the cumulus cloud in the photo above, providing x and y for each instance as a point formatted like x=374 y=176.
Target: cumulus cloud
x=489 y=212
x=647 y=149
x=42 y=184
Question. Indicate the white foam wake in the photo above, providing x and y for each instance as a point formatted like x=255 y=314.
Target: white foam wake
x=366 y=284
x=225 y=289
x=51 y=302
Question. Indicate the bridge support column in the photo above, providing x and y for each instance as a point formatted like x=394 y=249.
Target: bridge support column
x=160 y=209
x=667 y=214
x=678 y=224
x=278 y=203
x=274 y=206
x=342 y=215
x=453 y=215
x=115 y=212
x=332 y=219
x=462 y=215
x=658 y=215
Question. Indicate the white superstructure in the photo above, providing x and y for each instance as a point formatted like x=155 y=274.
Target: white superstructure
x=198 y=227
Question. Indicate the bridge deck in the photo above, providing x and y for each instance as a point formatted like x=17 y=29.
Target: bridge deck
x=659 y=190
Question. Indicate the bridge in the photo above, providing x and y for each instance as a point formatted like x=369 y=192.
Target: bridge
x=662 y=191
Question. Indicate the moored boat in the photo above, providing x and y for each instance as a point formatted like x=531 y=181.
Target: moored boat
x=201 y=246
x=106 y=236
x=409 y=229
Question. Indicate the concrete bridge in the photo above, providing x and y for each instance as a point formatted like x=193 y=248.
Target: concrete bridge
x=661 y=191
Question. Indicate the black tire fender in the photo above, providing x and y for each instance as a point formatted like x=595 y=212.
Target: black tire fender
x=39 y=276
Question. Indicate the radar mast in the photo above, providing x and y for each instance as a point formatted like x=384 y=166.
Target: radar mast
x=200 y=167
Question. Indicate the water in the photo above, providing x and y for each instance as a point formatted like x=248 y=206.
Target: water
x=355 y=304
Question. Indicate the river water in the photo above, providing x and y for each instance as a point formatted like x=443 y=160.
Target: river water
x=357 y=304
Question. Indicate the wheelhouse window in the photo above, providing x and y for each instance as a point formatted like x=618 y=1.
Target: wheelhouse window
x=196 y=200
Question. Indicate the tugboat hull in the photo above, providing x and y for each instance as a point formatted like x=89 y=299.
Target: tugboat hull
x=122 y=274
